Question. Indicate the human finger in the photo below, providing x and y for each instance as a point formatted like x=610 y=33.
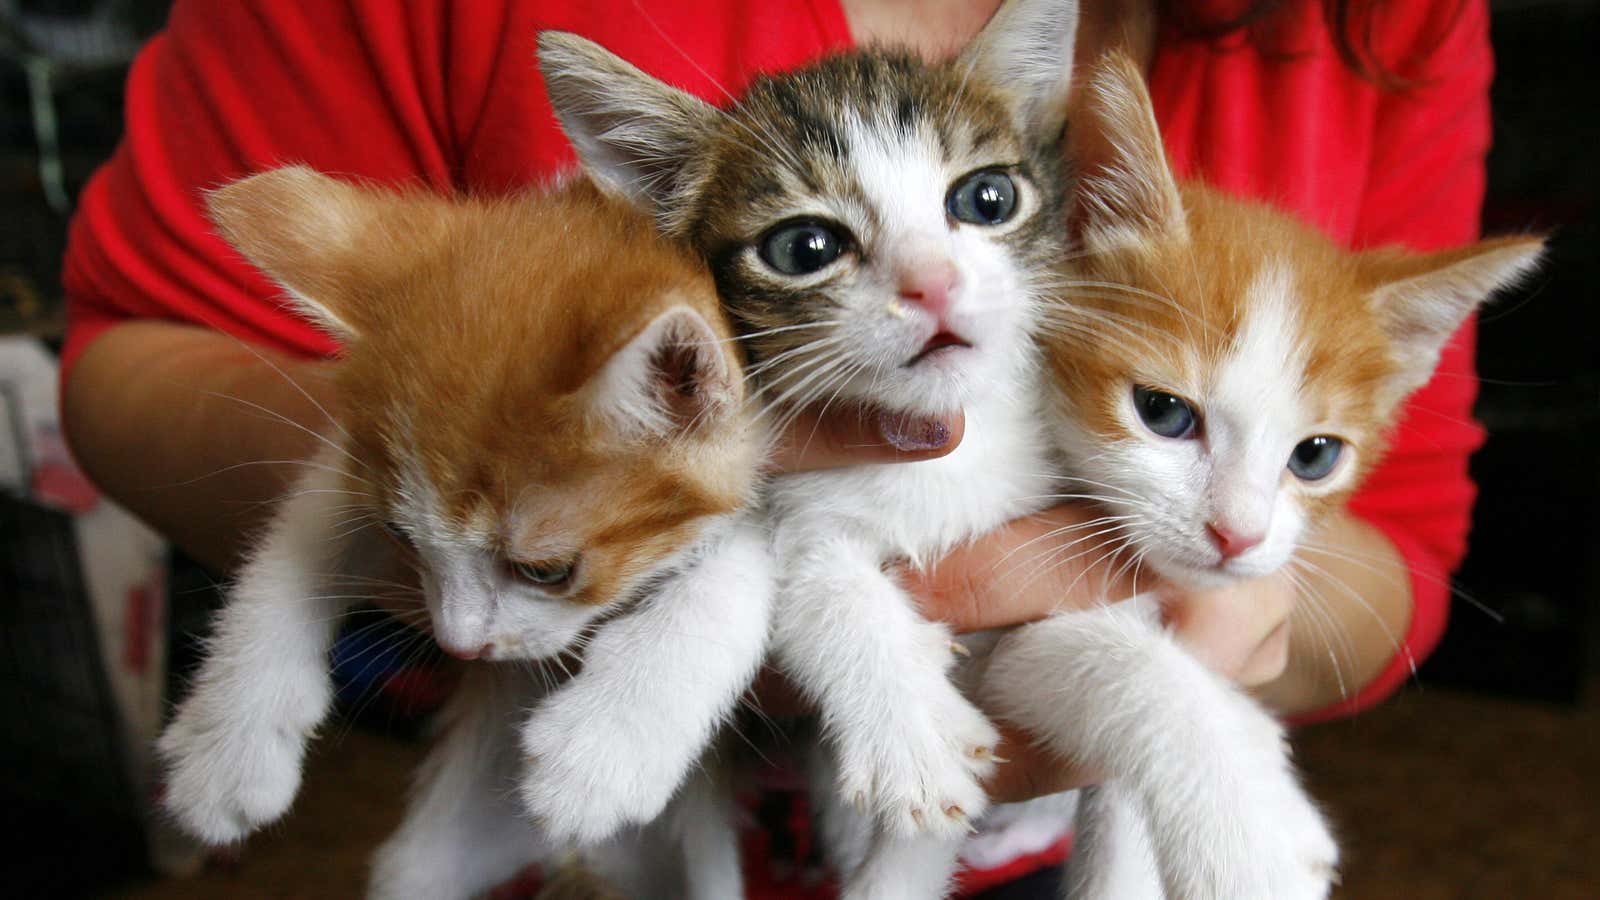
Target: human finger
x=1066 y=557
x=853 y=436
x=1240 y=631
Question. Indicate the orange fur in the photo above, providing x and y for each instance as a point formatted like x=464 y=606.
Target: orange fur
x=1158 y=298
x=474 y=331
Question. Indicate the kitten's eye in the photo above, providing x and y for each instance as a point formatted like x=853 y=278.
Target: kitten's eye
x=1165 y=414
x=396 y=533
x=983 y=198
x=1314 y=457
x=554 y=573
x=801 y=248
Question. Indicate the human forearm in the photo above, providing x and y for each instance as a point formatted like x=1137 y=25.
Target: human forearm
x=193 y=430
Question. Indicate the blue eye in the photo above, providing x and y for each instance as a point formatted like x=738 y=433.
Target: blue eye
x=1314 y=457
x=983 y=198
x=550 y=574
x=1165 y=414
x=801 y=248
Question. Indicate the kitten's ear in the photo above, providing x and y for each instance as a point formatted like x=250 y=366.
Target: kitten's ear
x=633 y=134
x=308 y=232
x=1127 y=189
x=1424 y=298
x=672 y=376
x=1026 y=50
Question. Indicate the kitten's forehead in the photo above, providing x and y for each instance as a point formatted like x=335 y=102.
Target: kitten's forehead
x=1286 y=350
x=1258 y=380
x=816 y=133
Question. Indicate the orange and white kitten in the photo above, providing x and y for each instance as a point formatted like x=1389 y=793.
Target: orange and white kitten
x=1221 y=378
x=540 y=406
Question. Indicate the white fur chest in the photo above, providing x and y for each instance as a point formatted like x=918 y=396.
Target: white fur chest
x=920 y=510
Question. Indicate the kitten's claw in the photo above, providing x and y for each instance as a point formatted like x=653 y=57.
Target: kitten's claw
x=960 y=649
x=910 y=773
x=958 y=815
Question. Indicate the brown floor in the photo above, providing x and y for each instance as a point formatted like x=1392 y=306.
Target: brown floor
x=1436 y=795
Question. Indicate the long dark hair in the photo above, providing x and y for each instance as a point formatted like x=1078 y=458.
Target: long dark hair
x=1350 y=22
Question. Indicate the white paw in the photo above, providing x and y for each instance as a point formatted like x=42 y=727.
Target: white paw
x=1309 y=863
x=921 y=773
x=1285 y=851
x=232 y=766
x=585 y=776
x=1303 y=863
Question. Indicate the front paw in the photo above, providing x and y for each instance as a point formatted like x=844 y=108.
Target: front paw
x=1281 y=849
x=585 y=777
x=231 y=769
x=1304 y=861
x=1307 y=865
x=921 y=772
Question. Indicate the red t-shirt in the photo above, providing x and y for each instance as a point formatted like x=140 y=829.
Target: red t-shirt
x=448 y=94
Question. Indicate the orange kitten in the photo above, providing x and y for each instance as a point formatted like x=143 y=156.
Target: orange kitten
x=1220 y=377
x=540 y=406
x=1231 y=367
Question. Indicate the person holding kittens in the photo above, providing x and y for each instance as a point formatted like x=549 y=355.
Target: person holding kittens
x=1371 y=124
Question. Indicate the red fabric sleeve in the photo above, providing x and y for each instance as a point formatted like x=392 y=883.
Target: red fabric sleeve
x=228 y=88
x=1425 y=190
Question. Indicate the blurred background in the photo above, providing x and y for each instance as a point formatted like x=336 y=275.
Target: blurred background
x=1481 y=780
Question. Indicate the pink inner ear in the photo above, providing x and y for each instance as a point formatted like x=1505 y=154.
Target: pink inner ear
x=683 y=382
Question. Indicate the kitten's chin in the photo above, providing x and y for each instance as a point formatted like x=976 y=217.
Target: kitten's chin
x=913 y=393
x=527 y=649
x=939 y=381
x=1198 y=579
x=1211 y=575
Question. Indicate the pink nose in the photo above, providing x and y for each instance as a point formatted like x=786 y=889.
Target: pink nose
x=1231 y=543
x=930 y=285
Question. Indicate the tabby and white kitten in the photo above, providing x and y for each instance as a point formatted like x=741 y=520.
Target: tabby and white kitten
x=880 y=228
x=1223 y=377
x=543 y=434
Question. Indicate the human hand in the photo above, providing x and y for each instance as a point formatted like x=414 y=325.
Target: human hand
x=1056 y=561
x=1029 y=568
x=1023 y=571
x=1239 y=631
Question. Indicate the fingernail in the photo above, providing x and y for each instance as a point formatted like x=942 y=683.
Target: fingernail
x=909 y=434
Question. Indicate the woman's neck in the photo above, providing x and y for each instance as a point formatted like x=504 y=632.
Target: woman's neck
x=934 y=28
x=938 y=28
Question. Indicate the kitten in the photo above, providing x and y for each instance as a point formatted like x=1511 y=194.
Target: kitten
x=1223 y=377
x=881 y=230
x=540 y=404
